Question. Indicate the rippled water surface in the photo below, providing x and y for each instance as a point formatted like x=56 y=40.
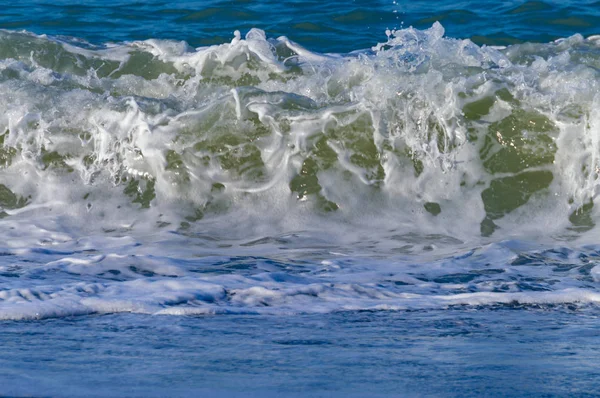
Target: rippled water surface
x=337 y=25
x=299 y=198
x=456 y=352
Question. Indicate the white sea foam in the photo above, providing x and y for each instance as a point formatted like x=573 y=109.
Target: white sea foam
x=58 y=281
x=344 y=181
x=408 y=90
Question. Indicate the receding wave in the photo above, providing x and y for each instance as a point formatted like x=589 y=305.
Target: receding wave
x=72 y=283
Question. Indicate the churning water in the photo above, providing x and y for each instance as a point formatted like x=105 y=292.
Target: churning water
x=307 y=198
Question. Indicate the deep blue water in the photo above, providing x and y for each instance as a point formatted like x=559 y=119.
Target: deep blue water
x=337 y=25
x=170 y=225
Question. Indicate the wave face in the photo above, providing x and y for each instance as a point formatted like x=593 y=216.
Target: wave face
x=422 y=131
x=258 y=176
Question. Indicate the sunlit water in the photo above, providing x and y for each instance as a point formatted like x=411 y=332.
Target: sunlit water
x=303 y=199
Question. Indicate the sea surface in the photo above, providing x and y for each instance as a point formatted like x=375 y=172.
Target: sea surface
x=299 y=198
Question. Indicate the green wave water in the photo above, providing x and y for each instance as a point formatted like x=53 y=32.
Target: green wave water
x=421 y=127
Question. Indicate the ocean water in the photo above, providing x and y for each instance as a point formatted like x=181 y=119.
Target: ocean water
x=343 y=198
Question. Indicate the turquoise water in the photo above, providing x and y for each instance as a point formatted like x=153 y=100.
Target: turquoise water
x=299 y=198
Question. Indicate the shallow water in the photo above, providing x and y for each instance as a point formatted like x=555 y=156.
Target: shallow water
x=299 y=198
x=507 y=351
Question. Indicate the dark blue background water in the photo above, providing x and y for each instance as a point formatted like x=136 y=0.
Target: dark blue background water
x=336 y=26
